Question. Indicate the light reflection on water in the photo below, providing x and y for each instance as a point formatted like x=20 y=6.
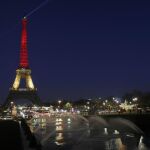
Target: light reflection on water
x=76 y=133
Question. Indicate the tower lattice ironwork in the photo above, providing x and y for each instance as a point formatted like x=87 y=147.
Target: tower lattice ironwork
x=23 y=73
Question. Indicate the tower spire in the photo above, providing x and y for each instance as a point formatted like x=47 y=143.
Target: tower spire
x=24 y=51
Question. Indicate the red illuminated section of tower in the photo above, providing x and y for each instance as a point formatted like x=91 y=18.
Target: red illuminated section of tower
x=24 y=51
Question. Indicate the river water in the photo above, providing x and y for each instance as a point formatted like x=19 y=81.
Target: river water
x=74 y=132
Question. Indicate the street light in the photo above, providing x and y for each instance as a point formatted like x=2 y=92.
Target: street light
x=135 y=99
x=59 y=101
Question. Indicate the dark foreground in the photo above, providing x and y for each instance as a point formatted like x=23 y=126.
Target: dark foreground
x=10 y=137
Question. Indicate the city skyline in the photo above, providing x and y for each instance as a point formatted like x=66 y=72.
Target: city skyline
x=78 y=49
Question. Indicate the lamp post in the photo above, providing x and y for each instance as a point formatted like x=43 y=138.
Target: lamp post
x=135 y=99
x=59 y=102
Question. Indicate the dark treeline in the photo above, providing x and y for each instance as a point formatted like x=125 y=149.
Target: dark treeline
x=143 y=100
x=143 y=97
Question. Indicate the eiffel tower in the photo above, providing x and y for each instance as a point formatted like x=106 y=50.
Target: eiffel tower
x=23 y=73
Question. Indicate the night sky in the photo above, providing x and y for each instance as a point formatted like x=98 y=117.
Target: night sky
x=78 y=48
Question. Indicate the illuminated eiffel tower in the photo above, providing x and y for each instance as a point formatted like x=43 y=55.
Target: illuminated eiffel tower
x=23 y=73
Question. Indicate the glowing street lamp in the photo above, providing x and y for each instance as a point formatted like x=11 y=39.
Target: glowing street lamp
x=135 y=99
x=59 y=101
x=104 y=103
x=11 y=103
